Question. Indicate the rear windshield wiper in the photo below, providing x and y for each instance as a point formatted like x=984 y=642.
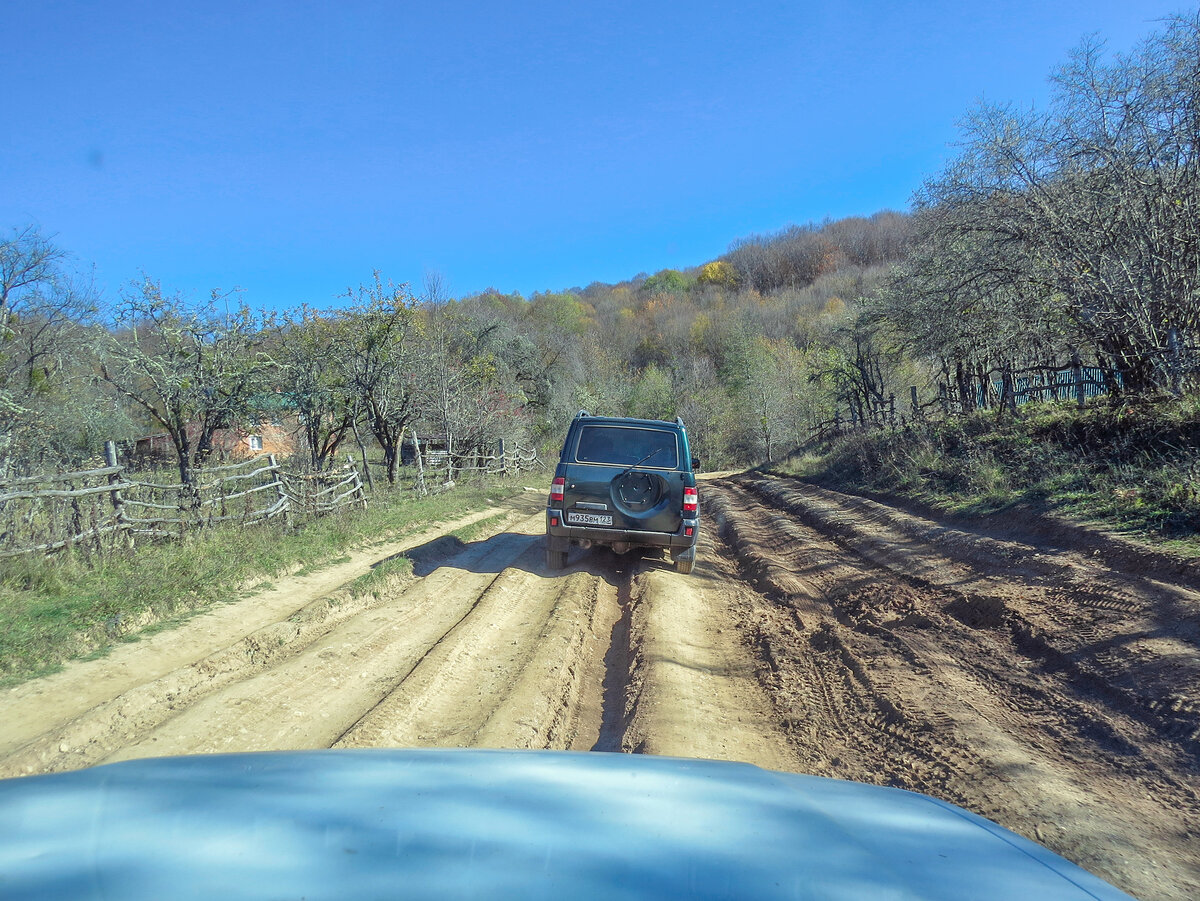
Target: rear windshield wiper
x=639 y=462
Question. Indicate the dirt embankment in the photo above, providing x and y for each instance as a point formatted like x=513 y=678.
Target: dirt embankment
x=1049 y=681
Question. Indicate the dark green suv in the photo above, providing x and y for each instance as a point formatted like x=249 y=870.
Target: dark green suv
x=624 y=483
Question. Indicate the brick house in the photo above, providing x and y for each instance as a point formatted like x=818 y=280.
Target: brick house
x=265 y=437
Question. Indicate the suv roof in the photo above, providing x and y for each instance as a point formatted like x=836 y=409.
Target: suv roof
x=629 y=420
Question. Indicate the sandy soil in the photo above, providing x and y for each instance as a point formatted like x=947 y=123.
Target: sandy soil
x=1044 y=676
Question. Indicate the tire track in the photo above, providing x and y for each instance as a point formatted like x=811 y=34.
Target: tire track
x=1038 y=685
x=126 y=718
x=693 y=690
x=832 y=669
x=893 y=661
x=1130 y=640
x=54 y=701
x=308 y=699
x=468 y=676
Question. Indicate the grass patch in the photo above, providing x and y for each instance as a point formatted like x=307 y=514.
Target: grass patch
x=71 y=605
x=469 y=533
x=373 y=581
x=1132 y=466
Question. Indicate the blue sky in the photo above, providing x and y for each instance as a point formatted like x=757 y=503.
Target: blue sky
x=291 y=148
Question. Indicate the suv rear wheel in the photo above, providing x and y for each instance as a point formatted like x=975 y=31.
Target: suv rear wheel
x=685 y=561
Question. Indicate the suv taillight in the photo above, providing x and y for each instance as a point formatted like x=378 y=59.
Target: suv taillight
x=691 y=500
x=557 y=489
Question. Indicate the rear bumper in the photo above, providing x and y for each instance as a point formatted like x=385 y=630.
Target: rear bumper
x=560 y=537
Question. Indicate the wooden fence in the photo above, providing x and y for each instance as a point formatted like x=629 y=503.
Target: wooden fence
x=510 y=458
x=441 y=467
x=322 y=493
x=1001 y=389
x=507 y=460
x=1013 y=387
x=109 y=506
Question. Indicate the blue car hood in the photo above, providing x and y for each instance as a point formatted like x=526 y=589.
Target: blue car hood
x=500 y=824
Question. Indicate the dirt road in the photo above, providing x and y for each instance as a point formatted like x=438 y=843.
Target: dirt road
x=1045 y=677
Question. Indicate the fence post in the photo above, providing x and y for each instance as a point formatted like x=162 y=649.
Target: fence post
x=277 y=476
x=118 y=501
x=190 y=509
x=360 y=493
x=1077 y=379
x=500 y=454
x=420 y=465
x=1008 y=397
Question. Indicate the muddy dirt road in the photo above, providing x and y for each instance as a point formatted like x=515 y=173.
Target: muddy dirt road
x=1042 y=676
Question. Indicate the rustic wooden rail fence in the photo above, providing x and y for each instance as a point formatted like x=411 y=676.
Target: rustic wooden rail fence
x=1003 y=388
x=508 y=459
x=100 y=508
x=322 y=493
x=437 y=465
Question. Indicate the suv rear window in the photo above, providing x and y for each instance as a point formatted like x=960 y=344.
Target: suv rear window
x=625 y=446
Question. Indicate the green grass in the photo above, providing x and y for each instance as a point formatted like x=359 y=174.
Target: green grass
x=1129 y=466
x=378 y=576
x=469 y=533
x=71 y=605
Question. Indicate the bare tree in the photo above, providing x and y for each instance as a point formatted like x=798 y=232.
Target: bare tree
x=968 y=302
x=193 y=372
x=28 y=261
x=1091 y=208
x=44 y=313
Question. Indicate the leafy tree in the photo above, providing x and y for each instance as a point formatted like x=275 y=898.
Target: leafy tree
x=718 y=274
x=381 y=363
x=310 y=356
x=469 y=391
x=653 y=395
x=604 y=388
x=666 y=281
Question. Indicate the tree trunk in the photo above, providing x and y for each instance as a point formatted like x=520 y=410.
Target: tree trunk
x=390 y=462
x=362 y=450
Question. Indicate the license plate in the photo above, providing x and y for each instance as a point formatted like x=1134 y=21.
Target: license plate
x=589 y=519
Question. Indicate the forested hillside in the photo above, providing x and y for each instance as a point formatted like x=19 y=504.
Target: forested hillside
x=750 y=349
x=1056 y=237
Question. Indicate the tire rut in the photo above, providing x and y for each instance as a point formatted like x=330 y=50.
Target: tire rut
x=466 y=679
x=307 y=699
x=1131 y=641
x=899 y=662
